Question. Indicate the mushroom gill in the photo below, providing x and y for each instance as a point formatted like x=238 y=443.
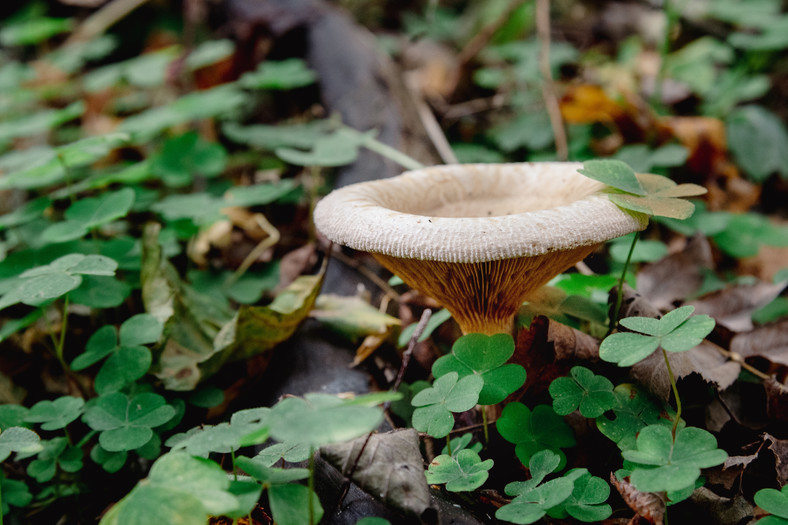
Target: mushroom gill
x=478 y=238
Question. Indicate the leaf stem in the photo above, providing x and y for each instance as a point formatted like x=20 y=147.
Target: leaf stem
x=486 y=429
x=448 y=443
x=675 y=393
x=620 y=292
x=390 y=153
x=62 y=340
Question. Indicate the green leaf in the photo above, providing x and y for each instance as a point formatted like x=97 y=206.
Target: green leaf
x=593 y=394
x=56 y=414
x=125 y=423
x=224 y=437
x=633 y=411
x=33 y=30
x=645 y=250
x=319 y=419
x=100 y=291
x=14 y=493
x=179 y=489
x=18 y=439
x=290 y=452
x=744 y=233
x=485 y=356
x=758 y=141
x=436 y=319
x=662 y=197
x=140 y=329
x=187 y=155
x=773 y=501
x=210 y=52
x=587 y=501
x=279 y=75
x=268 y=475
x=449 y=393
x=626 y=349
x=56 y=453
x=337 y=149
x=676 y=465
x=123 y=367
x=290 y=504
x=614 y=173
x=111 y=462
x=462 y=472
x=532 y=432
x=642 y=159
x=270 y=137
x=93 y=212
x=101 y=344
x=26 y=213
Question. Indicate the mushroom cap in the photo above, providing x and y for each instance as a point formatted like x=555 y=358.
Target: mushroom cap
x=469 y=213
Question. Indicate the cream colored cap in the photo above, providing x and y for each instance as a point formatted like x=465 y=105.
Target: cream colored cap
x=475 y=212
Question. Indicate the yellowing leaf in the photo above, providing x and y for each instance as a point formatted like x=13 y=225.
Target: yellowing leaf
x=351 y=316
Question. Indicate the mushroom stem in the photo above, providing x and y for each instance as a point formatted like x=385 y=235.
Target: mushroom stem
x=483 y=297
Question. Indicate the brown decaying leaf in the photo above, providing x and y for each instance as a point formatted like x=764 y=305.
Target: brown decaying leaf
x=649 y=505
x=708 y=507
x=677 y=276
x=776 y=400
x=779 y=448
x=733 y=306
x=729 y=472
x=587 y=104
x=296 y=263
x=387 y=466
x=769 y=342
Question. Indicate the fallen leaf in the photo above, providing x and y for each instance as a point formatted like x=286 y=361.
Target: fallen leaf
x=387 y=466
x=352 y=317
x=704 y=137
x=769 y=342
x=733 y=307
x=588 y=104
x=730 y=471
x=779 y=448
x=649 y=505
x=677 y=276
x=709 y=507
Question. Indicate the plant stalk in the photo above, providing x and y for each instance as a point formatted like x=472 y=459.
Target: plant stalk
x=620 y=293
x=311 y=485
x=675 y=393
x=390 y=153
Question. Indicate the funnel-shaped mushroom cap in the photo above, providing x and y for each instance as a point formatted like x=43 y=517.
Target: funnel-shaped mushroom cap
x=479 y=238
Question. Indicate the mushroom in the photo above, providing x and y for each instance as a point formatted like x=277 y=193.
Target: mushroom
x=478 y=238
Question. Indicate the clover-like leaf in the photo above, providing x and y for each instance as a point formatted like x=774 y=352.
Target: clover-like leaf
x=224 y=437
x=89 y=213
x=111 y=462
x=534 y=431
x=15 y=492
x=533 y=498
x=290 y=504
x=587 y=501
x=290 y=452
x=320 y=419
x=18 y=439
x=187 y=155
x=448 y=393
x=614 y=173
x=462 y=472
x=662 y=197
x=179 y=489
x=485 y=356
x=126 y=423
x=56 y=453
x=634 y=410
x=672 y=465
x=592 y=393
x=270 y=475
x=677 y=331
x=335 y=149
x=279 y=75
x=40 y=284
x=461 y=443
x=775 y=502
x=56 y=414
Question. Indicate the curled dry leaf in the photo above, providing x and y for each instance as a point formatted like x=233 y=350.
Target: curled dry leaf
x=708 y=507
x=776 y=400
x=779 y=448
x=649 y=505
x=387 y=466
x=730 y=471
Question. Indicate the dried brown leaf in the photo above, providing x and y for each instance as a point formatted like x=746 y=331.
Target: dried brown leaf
x=769 y=342
x=387 y=466
x=733 y=307
x=779 y=448
x=649 y=505
x=776 y=400
x=677 y=276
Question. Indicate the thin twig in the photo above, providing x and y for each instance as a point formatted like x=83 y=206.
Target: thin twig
x=548 y=87
x=97 y=23
x=430 y=124
x=349 y=475
x=483 y=37
x=737 y=358
x=414 y=338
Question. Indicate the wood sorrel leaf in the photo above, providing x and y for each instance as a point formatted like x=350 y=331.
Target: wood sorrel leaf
x=614 y=173
x=464 y=472
x=485 y=356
